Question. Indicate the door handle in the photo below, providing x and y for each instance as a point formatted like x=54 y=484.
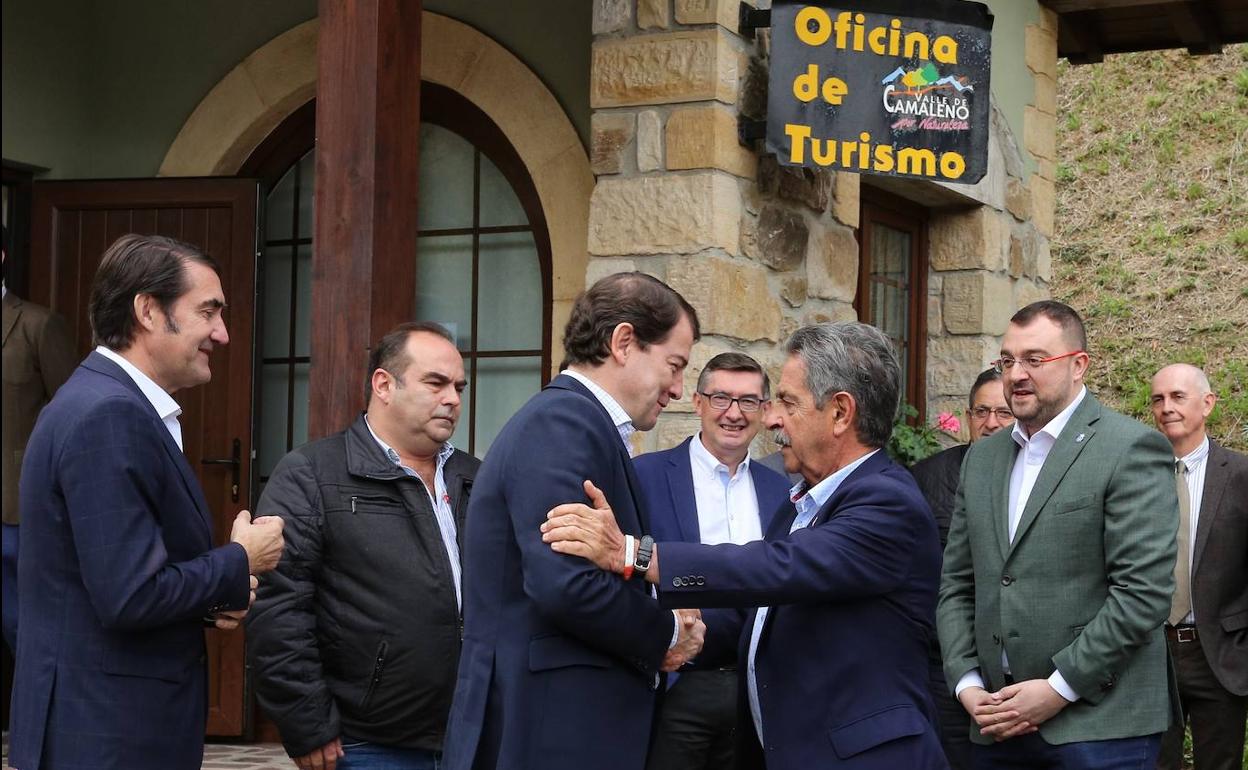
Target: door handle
x=235 y=460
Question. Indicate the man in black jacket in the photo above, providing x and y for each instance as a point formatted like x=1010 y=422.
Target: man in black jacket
x=937 y=476
x=355 y=637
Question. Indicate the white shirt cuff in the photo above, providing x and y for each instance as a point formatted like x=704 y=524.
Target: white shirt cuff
x=1058 y=683
x=969 y=679
x=675 y=630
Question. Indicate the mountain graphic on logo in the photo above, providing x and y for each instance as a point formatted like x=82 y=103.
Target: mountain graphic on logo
x=926 y=78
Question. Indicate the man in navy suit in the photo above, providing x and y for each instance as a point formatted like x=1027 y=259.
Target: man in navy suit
x=560 y=661
x=117 y=573
x=834 y=660
x=707 y=490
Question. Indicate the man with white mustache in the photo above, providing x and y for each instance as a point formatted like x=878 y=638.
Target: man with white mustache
x=355 y=636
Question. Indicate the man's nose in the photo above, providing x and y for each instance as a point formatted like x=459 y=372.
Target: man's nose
x=220 y=334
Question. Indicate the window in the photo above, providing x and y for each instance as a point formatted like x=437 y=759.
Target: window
x=892 y=283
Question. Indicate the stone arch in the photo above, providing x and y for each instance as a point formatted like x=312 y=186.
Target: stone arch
x=280 y=76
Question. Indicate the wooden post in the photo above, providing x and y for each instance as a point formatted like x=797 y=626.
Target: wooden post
x=367 y=128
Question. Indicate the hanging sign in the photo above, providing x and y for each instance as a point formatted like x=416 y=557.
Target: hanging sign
x=894 y=87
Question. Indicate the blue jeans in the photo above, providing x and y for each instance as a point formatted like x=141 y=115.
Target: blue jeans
x=1031 y=752
x=361 y=755
x=10 y=586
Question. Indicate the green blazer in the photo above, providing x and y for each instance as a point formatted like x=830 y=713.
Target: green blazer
x=1086 y=584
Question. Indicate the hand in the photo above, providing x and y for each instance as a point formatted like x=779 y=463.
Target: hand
x=1034 y=701
x=324 y=758
x=985 y=708
x=261 y=539
x=229 y=620
x=591 y=533
x=689 y=640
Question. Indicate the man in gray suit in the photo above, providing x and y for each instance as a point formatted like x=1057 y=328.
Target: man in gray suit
x=1207 y=630
x=1060 y=567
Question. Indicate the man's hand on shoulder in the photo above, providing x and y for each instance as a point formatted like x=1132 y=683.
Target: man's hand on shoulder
x=324 y=758
x=261 y=539
x=589 y=532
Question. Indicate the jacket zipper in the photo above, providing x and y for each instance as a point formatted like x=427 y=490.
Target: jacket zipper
x=377 y=668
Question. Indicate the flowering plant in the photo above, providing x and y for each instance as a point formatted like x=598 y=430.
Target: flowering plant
x=911 y=443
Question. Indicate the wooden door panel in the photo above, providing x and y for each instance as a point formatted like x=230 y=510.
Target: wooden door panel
x=72 y=225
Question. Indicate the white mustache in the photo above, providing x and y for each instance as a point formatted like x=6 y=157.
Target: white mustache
x=781 y=438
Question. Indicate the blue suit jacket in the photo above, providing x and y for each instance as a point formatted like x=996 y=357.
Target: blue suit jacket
x=667 y=494
x=116 y=573
x=559 y=662
x=842 y=661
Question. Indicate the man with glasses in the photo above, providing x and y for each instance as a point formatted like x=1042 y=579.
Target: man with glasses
x=1060 y=567
x=707 y=490
x=987 y=413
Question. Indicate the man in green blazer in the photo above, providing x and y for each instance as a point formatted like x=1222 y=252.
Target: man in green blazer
x=1060 y=567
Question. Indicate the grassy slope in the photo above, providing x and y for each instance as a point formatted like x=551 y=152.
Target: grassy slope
x=1152 y=222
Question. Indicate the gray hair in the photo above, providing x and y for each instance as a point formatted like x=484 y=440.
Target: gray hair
x=858 y=359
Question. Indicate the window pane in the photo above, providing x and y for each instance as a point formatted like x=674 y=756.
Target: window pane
x=275 y=304
x=444 y=284
x=445 y=179
x=299 y=434
x=303 y=302
x=510 y=298
x=459 y=439
x=307 y=186
x=503 y=385
x=279 y=208
x=499 y=205
x=890 y=253
x=271 y=441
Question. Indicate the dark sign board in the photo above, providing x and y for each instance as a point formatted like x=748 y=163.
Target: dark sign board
x=895 y=87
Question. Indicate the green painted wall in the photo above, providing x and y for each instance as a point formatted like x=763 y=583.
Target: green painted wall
x=1012 y=84
x=100 y=88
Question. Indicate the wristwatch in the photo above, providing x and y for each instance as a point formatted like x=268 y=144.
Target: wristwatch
x=644 y=548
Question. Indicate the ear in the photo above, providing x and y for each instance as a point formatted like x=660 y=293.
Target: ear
x=1082 y=362
x=1210 y=401
x=383 y=385
x=623 y=341
x=145 y=309
x=841 y=412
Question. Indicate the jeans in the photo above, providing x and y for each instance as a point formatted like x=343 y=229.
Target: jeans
x=1028 y=752
x=361 y=755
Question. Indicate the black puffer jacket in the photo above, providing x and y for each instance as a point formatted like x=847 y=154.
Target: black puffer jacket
x=357 y=631
x=937 y=477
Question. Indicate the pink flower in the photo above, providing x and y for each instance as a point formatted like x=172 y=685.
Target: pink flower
x=948 y=423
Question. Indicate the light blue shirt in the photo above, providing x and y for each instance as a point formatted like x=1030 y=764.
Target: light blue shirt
x=438 y=498
x=808 y=506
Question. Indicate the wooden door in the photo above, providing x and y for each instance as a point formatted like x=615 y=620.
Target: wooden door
x=72 y=223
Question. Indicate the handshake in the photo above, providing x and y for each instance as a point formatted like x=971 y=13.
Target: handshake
x=690 y=636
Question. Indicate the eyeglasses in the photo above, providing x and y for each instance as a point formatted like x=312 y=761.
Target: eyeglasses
x=722 y=402
x=1029 y=363
x=982 y=412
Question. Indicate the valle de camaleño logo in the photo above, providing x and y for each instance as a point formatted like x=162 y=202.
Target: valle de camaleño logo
x=923 y=99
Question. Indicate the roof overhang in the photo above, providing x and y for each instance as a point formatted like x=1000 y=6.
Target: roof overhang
x=1090 y=29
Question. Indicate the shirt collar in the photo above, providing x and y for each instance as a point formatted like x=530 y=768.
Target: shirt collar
x=817 y=495
x=1197 y=455
x=392 y=454
x=1054 y=427
x=623 y=423
x=160 y=400
x=702 y=458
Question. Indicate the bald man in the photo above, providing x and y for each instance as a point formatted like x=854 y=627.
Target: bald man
x=1207 y=630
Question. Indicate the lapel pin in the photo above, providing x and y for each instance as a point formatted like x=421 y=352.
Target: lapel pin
x=1079 y=438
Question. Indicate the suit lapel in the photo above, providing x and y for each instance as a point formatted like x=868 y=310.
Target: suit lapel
x=680 y=486
x=762 y=491
x=12 y=311
x=1216 y=481
x=1074 y=437
x=1002 y=466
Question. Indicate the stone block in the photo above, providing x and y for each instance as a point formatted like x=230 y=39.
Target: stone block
x=845 y=198
x=1039 y=133
x=1045 y=98
x=968 y=240
x=664 y=68
x=830 y=312
x=732 y=297
x=1016 y=256
x=804 y=185
x=706 y=348
x=1017 y=199
x=649 y=141
x=1027 y=292
x=665 y=214
x=793 y=290
x=782 y=238
x=1044 y=260
x=611 y=135
x=600 y=267
x=1049 y=20
x=721 y=12
x=935 y=319
x=611 y=16
x=977 y=302
x=832 y=263
x=1040 y=50
x=706 y=137
x=953 y=363
x=749 y=236
x=671 y=430
x=1043 y=204
x=653 y=14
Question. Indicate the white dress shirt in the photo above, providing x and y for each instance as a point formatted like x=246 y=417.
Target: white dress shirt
x=161 y=401
x=1033 y=451
x=439 y=498
x=1196 y=464
x=727 y=506
x=808 y=506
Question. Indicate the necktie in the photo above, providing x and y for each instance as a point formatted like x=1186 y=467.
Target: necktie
x=1181 y=604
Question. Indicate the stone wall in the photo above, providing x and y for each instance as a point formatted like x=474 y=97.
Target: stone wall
x=759 y=248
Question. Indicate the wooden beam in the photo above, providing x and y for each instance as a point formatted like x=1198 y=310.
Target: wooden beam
x=367 y=128
x=1078 y=39
x=1197 y=27
x=1075 y=6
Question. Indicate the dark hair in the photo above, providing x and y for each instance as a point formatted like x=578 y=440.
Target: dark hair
x=134 y=265
x=651 y=306
x=390 y=352
x=733 y=362
x=858 y=359
x=1059 y=313
x=986 y=376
